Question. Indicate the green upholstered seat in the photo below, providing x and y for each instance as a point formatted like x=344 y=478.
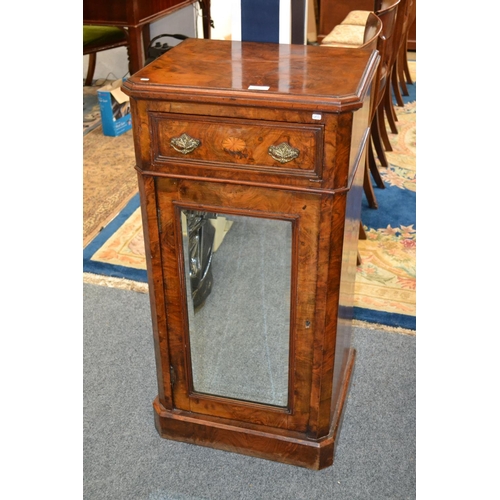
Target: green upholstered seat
x=101 y=35
x=99 y=38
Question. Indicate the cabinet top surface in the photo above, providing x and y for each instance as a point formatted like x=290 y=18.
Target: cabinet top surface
x=276 y=75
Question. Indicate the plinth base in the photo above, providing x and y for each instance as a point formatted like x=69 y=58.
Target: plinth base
x=255 y=440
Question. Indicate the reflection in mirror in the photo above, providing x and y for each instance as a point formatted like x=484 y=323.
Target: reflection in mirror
x=238 y=284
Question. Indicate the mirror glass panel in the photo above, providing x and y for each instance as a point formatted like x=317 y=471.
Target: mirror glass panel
x=238 y=285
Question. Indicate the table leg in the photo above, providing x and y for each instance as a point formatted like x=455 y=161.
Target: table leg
x=207 y=21
x=136 y=49
x=146 y=39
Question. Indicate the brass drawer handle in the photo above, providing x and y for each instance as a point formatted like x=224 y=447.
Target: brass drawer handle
x=184 y=144
x=283 y=152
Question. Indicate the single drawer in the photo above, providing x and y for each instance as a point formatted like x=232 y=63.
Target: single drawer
x=256 y=145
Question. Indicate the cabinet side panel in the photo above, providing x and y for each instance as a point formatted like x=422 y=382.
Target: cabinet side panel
x=152 y=246
x=348 y=278
x=155 y=283
x=335 y=294
x=360 y=125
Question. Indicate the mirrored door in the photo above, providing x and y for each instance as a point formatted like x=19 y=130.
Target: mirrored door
x=238 y=287
x=239 y=276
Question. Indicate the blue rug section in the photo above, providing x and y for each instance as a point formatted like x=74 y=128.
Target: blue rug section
x=412 y=93
x=260 y=20
x=388 y=319
x=114 y=271
x=396 y=207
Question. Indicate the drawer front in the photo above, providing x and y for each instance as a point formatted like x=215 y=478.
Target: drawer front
x=246 y=144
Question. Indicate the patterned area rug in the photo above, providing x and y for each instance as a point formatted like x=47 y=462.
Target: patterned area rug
x=385 y=293
x=109 y=178
x=385 y=290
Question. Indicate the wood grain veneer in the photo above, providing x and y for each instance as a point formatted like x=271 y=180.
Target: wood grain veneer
x=317 y=101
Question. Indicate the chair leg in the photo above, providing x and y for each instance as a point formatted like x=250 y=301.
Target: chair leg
x=362 y=232
x=401 y=72
x=378 y=139
x=362 y=236
x=406 y=70
x=406 y=67
x=91 y=69
x=372 y=167
x=395 y=85
x=391 y=117
x=368 y=188
x=358 y=259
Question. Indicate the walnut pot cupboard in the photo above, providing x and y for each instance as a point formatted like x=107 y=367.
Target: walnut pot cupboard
x=268 y=142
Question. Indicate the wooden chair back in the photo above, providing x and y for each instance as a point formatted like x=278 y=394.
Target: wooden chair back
x=386 y=46
x=373 y=30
